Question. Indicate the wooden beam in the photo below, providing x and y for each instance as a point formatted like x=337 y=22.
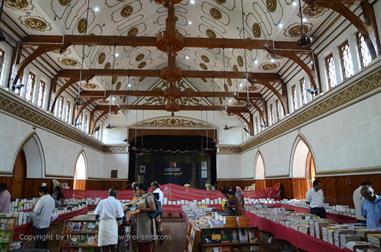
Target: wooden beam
x=242 y=43
x=261 y=112
x=94 y=40
x=187 y=93
x=41 y=49
x=182 y=107
x=296 y=59
x=97 y=119
x=249 y=122
x=82 y=107
x=281 y=97
x=157 y=73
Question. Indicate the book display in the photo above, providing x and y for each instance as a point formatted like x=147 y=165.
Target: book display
x=80 y=234
x=7 y=226
x=351 y=236
x=209 y=231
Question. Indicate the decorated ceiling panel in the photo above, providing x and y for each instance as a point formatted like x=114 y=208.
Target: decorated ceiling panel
x=255 y=19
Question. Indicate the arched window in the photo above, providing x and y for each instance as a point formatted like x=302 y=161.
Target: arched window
x=259 y=172
x=259 y=167
x=80 y=173
x=303 y=163
x=29 y=163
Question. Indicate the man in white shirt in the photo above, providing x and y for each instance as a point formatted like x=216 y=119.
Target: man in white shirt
x=315 y=198
x=42 y=217
x=109 y=211
x=159 y=195
x=156 y=189
x=357 y=201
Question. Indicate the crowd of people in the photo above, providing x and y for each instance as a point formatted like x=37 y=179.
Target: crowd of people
x=143 y=212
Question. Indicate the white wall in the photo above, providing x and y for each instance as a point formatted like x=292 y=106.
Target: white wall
x=116 y=162
x=349 y=139
x=229 y=167
x=13 y=133
x=60 y=154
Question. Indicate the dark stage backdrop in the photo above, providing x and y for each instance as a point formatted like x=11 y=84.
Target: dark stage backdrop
x=181 y=162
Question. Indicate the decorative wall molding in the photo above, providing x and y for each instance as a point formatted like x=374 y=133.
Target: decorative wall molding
x=229 y=149
x=354 y=171
x=20 y=109
x=115 y=149
x=170 y=122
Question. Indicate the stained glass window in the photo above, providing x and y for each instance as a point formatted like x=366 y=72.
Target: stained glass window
x=330 y=71
x=364 y=53
x=346 y=60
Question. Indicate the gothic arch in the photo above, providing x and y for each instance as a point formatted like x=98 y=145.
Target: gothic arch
x=28 y=162
x=80 y=171
x=259 y=166
x=34 y=155
x=302 y=156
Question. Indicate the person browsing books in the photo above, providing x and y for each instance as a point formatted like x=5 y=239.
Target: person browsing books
x=5 y=199
x=315 y=198
x=357 y=201
x=233 y=206
x=109 y=211
x=42 y=217
x=371 y=207
x=159 y=195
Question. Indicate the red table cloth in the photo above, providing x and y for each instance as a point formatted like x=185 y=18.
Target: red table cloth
x=27 y=229
x=296 y=238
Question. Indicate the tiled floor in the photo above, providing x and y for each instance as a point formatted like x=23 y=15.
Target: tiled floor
x=176 y=232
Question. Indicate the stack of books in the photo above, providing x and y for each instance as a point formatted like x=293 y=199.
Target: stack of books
x=243 y=221
x=230 y=221
x=375 y=240
x=348 y=237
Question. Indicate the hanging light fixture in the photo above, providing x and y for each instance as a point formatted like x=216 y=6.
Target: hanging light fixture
x=304 y=40
x=245 y=57
x=109 y=126
x=223 y=62
x=77 y=100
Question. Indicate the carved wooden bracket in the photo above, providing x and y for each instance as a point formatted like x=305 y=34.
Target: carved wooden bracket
x=249 y=123
x=281 y=97
x=72 y=80
x=82 y=107
x=368 y=28
x=262 y=112
x=295 y=58
x=96 y=121
x=114 y=109
x=41 y=49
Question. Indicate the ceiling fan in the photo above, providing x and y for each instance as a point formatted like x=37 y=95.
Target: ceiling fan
x=230 y=127
x=109 y=126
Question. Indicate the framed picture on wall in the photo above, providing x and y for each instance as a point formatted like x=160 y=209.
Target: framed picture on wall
x=142 y=169
x=114 y=173
x=204 y=166
x=204 y=174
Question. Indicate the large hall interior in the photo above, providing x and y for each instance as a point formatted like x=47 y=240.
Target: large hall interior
x=190 y=125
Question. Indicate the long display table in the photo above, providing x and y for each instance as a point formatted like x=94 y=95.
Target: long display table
x=296 y=238
x=27 y=229
x=335 y=217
